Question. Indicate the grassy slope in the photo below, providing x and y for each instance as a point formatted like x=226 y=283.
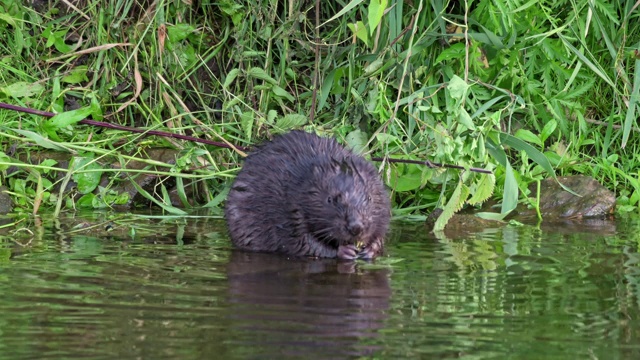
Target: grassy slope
x=394 y=80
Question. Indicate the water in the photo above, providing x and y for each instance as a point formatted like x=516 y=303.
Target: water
x=106 y=286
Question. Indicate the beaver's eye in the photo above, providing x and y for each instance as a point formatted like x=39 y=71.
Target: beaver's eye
x=334 y=199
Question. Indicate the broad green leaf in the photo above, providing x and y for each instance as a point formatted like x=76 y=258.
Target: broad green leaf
x=233 y=9
x=497 y=152
x=486 y=106
x=533 y=153
x=122 y=198
x=68 y=118
x=327 y=85
x=491 y=216
x=179 y=32
x=96 y=109
x=455 y=51
x=271 y=116
x=404 y=177
x=548 y=129
x=48 y=163
x=86 y=201
x=344 y=10
x=277 y=90
x=360 y=31
x=374 y=66
x=458 y=88
x=376 y=10
x=60 y=43
x=528 y=136
x=87 y=180
x=510 y=196
x=465 y=120
x=8 y=19
x=77 y=75
x=5 y=161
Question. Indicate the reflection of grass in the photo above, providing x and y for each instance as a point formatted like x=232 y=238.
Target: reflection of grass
x=381 y=262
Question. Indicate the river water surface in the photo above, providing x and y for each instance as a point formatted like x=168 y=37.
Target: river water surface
x=122 y=286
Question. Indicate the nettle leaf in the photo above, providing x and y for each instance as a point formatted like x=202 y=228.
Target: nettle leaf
x=278 y=91
x=482 y=189
x=23 y=89
x=458 y=88
x=83 y=173
x=357 y=141
x=231 y=76
x=291 y=121
x=8 y=19
x=465 y=120
x=246 y=121
x=77 y=75
x=454 y=204
x=259 y=73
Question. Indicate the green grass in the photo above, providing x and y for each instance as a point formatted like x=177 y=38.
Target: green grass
x=524 y=89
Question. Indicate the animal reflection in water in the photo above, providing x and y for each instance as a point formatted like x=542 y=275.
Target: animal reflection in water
x=303 y=306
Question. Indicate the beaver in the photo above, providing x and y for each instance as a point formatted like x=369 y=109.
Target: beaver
x=305 y=195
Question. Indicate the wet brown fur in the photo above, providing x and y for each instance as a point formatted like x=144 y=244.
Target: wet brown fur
x=305 y=195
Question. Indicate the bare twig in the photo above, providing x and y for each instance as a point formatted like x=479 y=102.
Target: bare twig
x=125 y=128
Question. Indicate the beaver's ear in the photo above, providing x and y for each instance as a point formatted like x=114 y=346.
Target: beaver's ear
x=355 y=172
x=348 y=167
x=335 y=163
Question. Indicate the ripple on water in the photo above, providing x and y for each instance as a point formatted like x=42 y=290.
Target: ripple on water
x=515 y=292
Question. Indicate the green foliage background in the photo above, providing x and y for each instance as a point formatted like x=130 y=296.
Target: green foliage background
x=526 y=89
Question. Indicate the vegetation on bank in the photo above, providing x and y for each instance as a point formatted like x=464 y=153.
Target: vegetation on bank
x=527 y=90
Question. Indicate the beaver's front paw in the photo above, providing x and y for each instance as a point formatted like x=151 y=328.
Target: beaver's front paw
x=348 y=252
x=371 y=251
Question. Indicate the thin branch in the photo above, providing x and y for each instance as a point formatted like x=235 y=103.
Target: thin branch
x=126 y=128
